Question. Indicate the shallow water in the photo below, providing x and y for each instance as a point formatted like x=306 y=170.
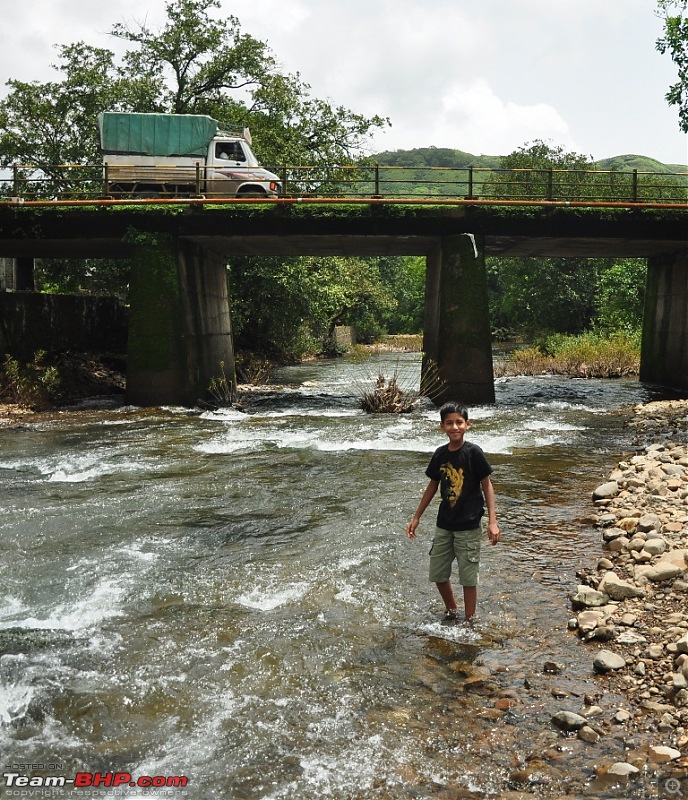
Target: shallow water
x=230 y=597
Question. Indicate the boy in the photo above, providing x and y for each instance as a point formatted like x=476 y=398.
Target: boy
x=462 y=473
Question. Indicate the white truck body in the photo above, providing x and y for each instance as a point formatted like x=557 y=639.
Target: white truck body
x=139 y=161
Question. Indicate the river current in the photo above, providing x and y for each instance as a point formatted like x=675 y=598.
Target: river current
x=229 y=596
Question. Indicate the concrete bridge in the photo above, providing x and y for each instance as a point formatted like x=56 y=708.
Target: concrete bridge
x=180 y=327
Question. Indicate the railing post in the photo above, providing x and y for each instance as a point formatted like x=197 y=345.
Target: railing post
x=377 y=180
x=106 y=179
x=284 y=180
x=198 y=179
x=550 y=184
x=15 y=179
x=470 y=183
x=635 y=186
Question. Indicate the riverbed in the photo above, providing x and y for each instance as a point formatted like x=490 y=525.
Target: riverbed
x=229 y=597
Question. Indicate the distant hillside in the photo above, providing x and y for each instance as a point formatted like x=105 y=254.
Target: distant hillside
x=629 y=162
x=435 y=157
x=443 y=172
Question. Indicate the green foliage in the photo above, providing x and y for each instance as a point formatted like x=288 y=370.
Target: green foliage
x=566 y=295
x=675 y=42
x=620 y=295
x=629 y=162
x=32 y=384
x=53 y=123
x=589 y=355
x=405 y=279
x=195 y=63
x=99 y=276
x=542 y=294
x=286 y=308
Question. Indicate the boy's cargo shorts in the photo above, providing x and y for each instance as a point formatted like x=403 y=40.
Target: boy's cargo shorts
x=464 y=546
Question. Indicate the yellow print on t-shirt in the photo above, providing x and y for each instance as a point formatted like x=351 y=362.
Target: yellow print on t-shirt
x=454 y=478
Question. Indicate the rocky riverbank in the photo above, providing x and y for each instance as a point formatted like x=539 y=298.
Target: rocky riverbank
x=632 y=602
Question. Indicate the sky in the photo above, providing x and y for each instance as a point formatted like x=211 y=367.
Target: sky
x=482 y=76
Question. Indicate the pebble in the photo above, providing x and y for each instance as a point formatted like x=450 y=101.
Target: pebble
x=568 y=720
x=661 y=754
x=634 y=594
x=605 y=661
x=622 y=769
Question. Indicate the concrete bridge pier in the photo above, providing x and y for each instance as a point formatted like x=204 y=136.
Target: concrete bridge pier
x=180 y=335
x=664 y=350
x=457 y=336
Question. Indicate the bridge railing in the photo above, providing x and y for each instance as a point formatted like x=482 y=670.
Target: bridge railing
x=369 y=180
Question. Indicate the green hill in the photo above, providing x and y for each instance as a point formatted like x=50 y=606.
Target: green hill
x=442 y=171
x=434 y=157
x=629 y=162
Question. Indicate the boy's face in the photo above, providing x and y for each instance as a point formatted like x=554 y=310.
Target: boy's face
x=455 y=426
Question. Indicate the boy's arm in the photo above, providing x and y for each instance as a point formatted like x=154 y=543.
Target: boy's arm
x=428 y=494
x=492 y=527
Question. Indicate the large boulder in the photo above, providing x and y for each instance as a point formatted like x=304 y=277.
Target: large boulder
x=668 y=566
x=618 y=589
x=606 y=661
x=606 y=490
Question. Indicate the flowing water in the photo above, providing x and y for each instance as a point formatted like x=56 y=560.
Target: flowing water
x=230 y=597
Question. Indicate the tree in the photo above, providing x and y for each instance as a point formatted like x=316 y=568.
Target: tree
x=53 y=123
x=193 y=64
x=405 y=277
x=285 y=308
x=548 y=170
x=620 y=295
x=550 y=295
x=675 y=42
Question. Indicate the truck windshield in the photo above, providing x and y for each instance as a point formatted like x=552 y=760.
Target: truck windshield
x=230 y=151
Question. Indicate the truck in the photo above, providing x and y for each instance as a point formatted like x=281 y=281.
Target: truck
x=158 y=155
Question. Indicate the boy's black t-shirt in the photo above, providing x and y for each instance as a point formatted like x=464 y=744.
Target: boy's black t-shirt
x=459 y=473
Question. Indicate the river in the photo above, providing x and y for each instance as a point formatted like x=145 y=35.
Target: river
x=229 y=597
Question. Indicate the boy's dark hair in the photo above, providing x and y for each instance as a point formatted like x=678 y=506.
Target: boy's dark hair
x=453 y=407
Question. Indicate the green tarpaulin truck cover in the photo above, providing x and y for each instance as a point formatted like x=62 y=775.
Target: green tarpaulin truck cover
x=156 y=134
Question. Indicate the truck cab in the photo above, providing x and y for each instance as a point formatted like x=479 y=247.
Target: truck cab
x=232 y=168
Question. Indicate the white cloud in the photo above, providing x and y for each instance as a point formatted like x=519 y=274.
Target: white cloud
x=481 y=75
x=472 y=118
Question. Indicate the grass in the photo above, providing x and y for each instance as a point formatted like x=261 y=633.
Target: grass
x=589 y=355
x=395 y=389
x=409 y=342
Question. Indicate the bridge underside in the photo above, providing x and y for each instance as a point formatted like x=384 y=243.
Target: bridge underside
x=355 y=245
x=189 y=297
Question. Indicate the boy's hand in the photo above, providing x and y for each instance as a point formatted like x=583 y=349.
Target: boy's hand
x=411 y=528
x=493 y=533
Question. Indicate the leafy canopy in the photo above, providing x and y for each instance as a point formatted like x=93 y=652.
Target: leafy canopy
x=195 y=63
x=675 y=42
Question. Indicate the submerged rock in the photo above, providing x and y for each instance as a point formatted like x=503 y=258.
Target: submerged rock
x=26 y=640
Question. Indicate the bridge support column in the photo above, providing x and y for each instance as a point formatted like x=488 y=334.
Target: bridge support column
x=664 y=350
x=180 y=335
x=457 y=333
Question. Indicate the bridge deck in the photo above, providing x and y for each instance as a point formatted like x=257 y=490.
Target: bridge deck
x=363 y=230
